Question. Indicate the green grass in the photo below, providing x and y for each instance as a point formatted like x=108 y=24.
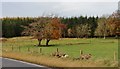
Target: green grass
x=98 y=47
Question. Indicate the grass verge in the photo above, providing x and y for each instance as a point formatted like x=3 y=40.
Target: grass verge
x=58 y=62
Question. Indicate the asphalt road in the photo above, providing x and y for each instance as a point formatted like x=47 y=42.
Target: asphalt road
x=6 y=62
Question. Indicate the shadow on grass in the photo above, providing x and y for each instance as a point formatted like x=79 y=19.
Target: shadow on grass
x=56 y=45
x=76 y=43
x=48 y=45
x=107 y=42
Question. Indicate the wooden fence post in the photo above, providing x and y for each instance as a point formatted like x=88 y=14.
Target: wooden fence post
x=57 y=50
x=114 y=56
x=12 y=48
x=81 y=52
x=19 y=48
x=28 y=49
x=40 y=50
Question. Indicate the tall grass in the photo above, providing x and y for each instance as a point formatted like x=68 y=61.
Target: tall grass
x=59 y=62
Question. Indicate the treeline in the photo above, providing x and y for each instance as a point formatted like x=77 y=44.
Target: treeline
x=80 y=26
x=77 y=27
x=11 y=27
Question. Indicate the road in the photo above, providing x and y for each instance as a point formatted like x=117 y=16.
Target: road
x=8 y=63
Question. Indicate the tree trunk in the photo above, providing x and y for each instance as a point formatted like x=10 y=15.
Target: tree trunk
x=104 y=36
x=47 y=42
x=116 y=36
x=39 y=40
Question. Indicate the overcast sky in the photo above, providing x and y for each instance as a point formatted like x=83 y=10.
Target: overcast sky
x=32 y=8
x=60 y=0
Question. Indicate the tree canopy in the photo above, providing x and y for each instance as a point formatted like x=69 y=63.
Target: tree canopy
x=68 y=27
x=45 y=28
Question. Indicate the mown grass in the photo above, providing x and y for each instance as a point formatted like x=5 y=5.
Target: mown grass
x=102 y=50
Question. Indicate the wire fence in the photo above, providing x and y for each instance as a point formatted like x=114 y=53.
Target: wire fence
x=40 y=50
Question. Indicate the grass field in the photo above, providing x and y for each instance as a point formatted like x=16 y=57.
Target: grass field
x=99 y=48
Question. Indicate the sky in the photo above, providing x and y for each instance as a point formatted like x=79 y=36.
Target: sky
x=63 y=8
x=59 y=0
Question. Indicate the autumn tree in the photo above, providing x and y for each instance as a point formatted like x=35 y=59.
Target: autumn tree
x=36 y=29
x=46 y=28
x=83 y=30
x=70 y=32
x=114 y=24
x=102 y=28
x=52 y=30
x=63 y=28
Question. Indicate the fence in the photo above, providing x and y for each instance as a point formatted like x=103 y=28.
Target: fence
x=40 y=50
